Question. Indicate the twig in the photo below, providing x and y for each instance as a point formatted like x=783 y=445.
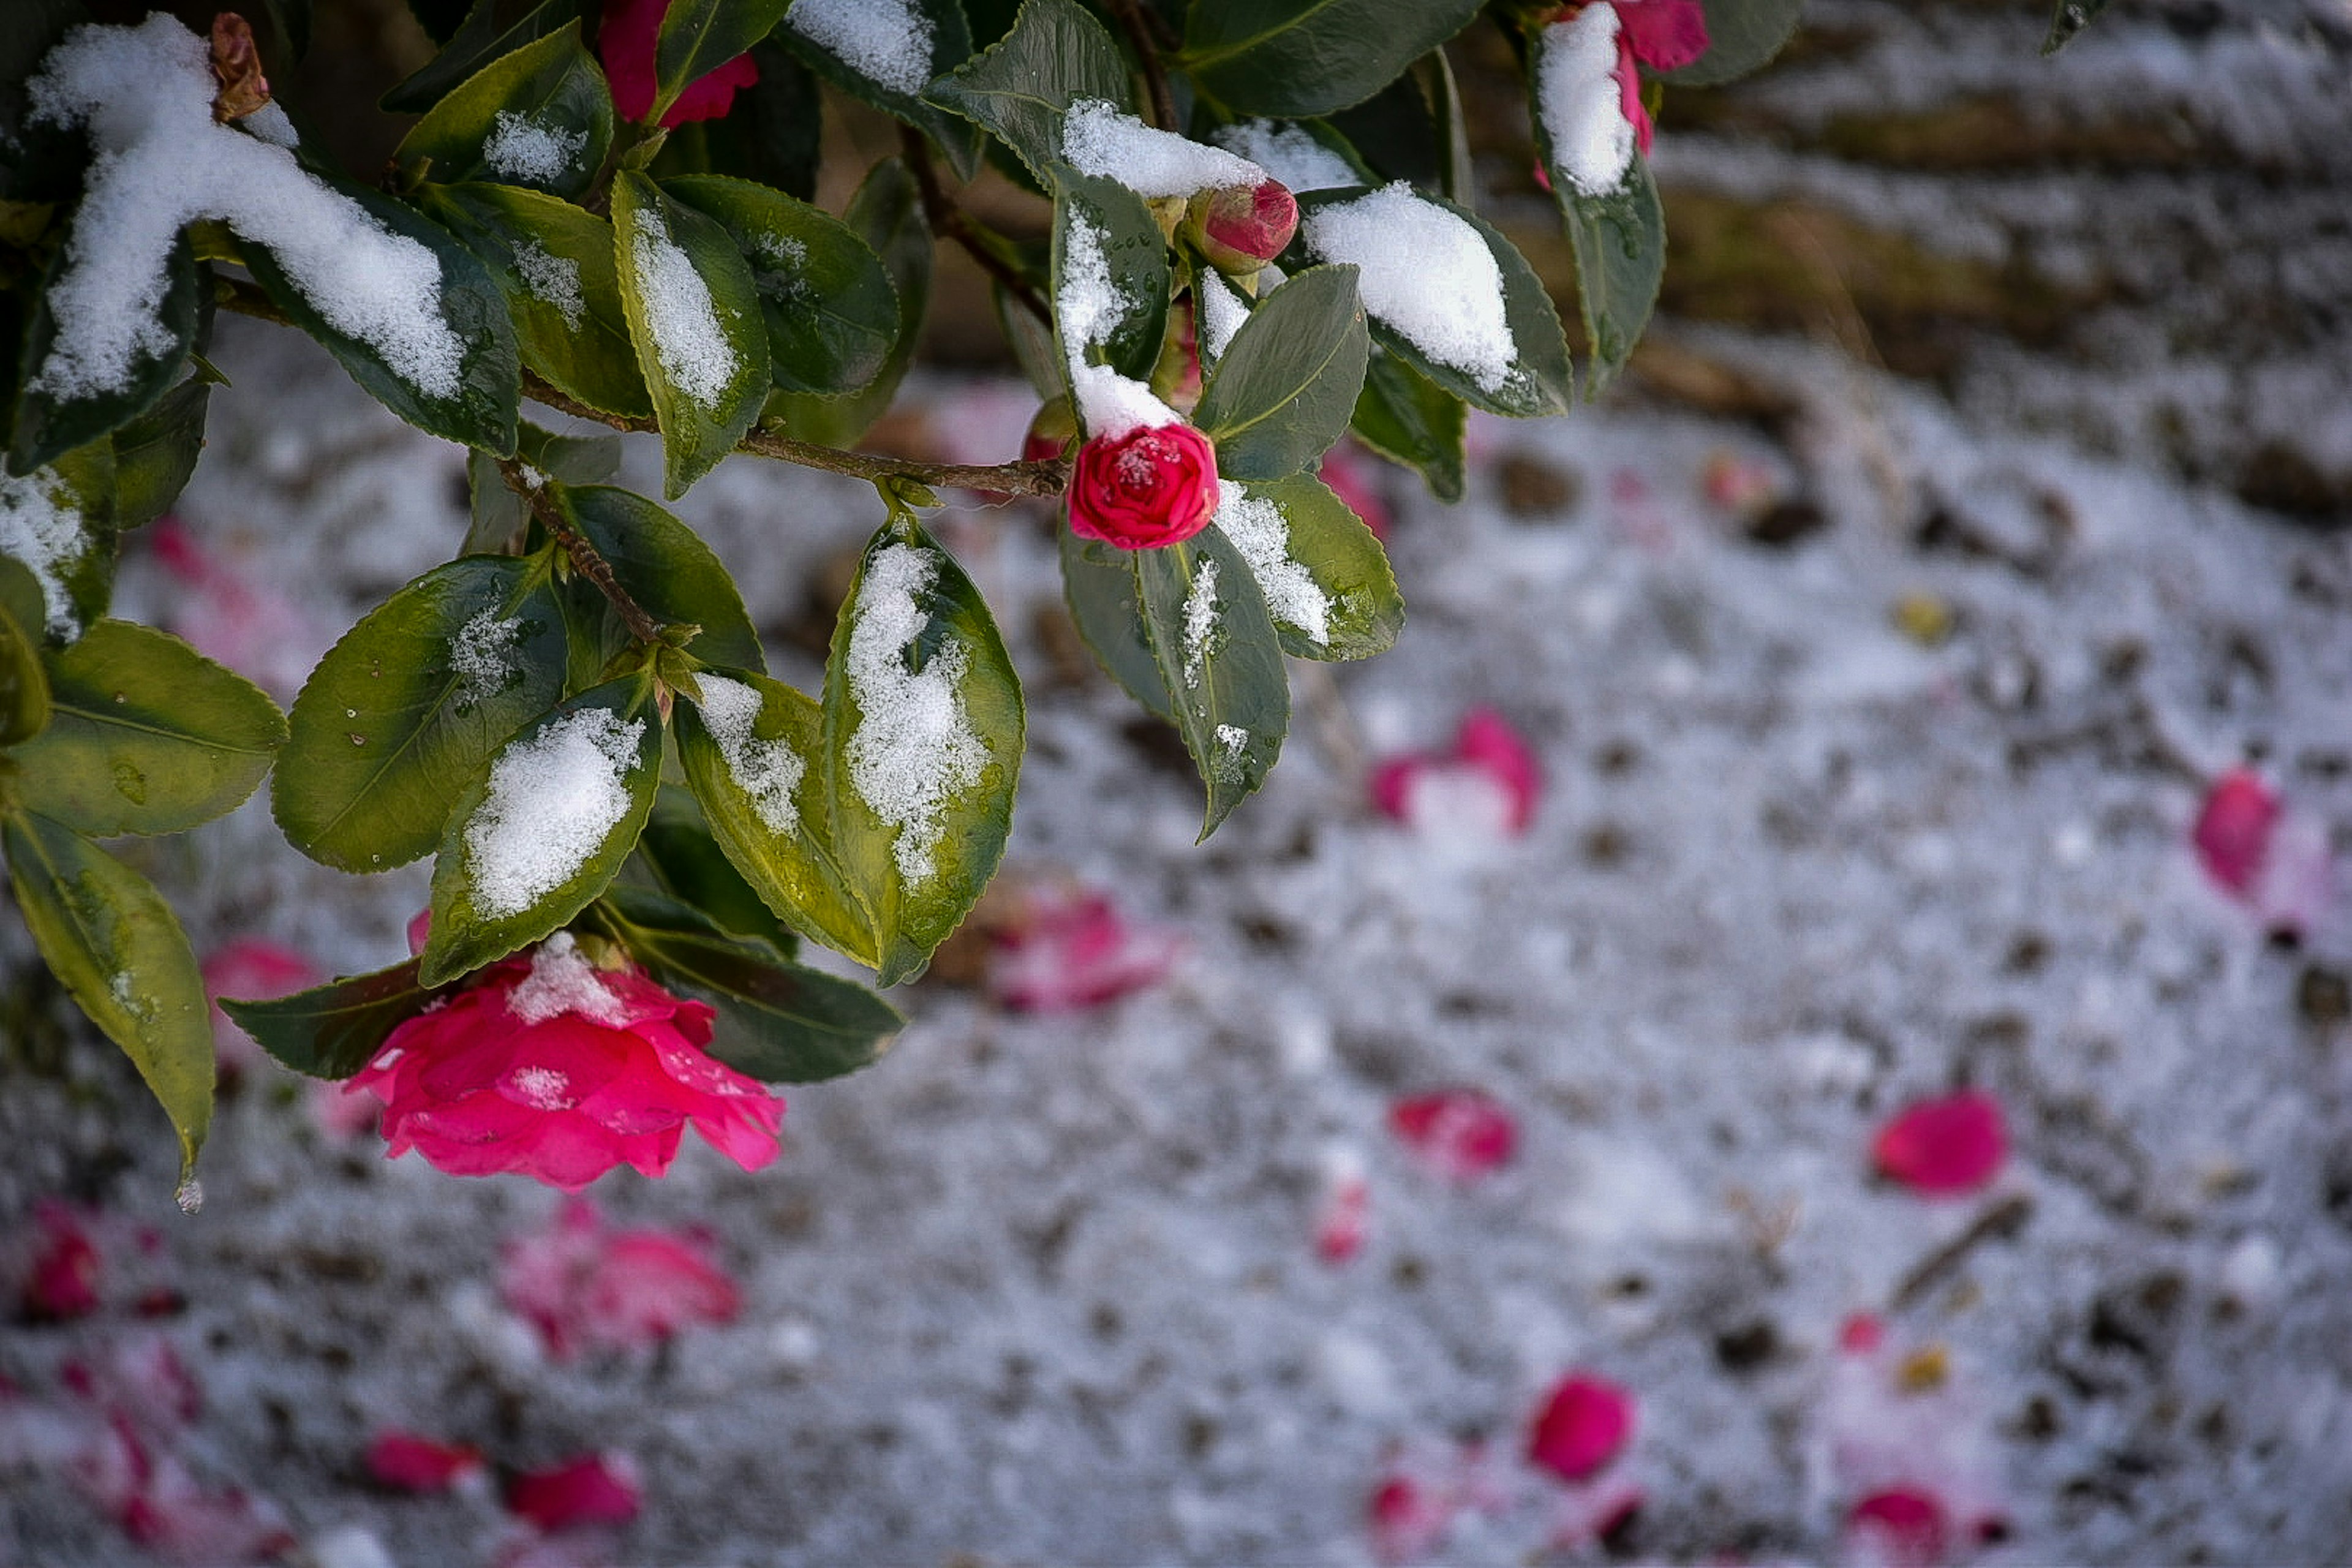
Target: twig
x=2001 y=1219
x=1046 y=477
x=1136 y=23
x=947 y=219
x=593 y=565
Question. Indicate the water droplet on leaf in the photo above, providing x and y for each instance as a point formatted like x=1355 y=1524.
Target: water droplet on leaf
x=190 y=1195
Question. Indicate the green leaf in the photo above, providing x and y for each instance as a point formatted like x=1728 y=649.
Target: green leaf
x=831 y=311
x=920 y=805
x=1286 y=384
x=478 y=41
x=1125 y=239
x=1056 y=55
x=440 y=18
x=1742 y=34
x=1219 y=661
x=887 y=213
x=24 y=686
x=1293 y=58
x=332 y=1031
x=554 y=265
x=1407 y=130
x=693 y=316
x=1410 y=420
x=950 y=45
x=1620 y=243
x=1098 y=583
x=540 y=116
x=546 y=829
x=698 y=37
x=1318 y=569
x=63 y=532
x=48 y=425
x=771 y=135
x=2070 y=18
x=667 y=569
x=499 y=516
x=292 y=19
x=777 y=1021
x=682 y=859
x=403 y=713
x=1539 y=380
x=114 y=944
x=146 y=735
x=480 y=409
x=155 y=454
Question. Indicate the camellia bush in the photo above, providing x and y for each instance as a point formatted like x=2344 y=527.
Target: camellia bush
x=1256 y=236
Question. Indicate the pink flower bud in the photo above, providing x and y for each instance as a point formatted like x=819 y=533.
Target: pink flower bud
x=1240 y=229
x=1155 y=486
x=1946 y=1146
x=1585 y=1423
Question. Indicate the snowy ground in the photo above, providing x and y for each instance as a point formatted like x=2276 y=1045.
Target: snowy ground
x=1045 y=1289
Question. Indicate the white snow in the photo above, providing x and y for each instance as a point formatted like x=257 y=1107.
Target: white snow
x=1200 y=622
x=888 y=41
x=145 y=95
x=1255 y=525
x=914 y=750
x=521 y=148
x=552 y=802
x=40 y=528
x=1221 y=314
x=1098 y=138
x=482 y=656
x=766 y=771
x=680 y=314
x=1290 y=154
x=553 y=279
x=269 y=123
x=1425 y=274
x=1579 y=100
x=1088 y=306
x=562 y=981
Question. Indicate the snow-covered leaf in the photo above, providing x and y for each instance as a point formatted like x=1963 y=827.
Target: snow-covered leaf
x=678 y=855
x=1301 y=58
x=1111 y=281
x=49 y=423
x=1318 y=567
x=1019 y=90
x=886 y=52
x=540 y=116
x=1287 y=384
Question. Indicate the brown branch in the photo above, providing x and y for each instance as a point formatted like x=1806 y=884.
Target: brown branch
x=1047 y=477
x=531 y=486
x=1137 y=22
x=947 y=219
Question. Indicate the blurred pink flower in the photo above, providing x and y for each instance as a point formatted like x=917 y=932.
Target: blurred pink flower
x=66 y=1271
x=1489 y=780
x=1066 y=949
x=229 y=619
x=1941 y=1147
x=1354 y=478
x=1744 y=486
x=250 y=969
x=411 y=1462
x=1899 y=1526
x=2276 y=860
x=1585 y=1422
x=1422 y=1490
x=595 y=1488
x=1460 y=1133
x=586 y=1288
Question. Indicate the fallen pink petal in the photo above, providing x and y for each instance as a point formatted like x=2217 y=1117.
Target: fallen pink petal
x=1065 y=950
x=1487 y=784
x=1584 y=1423
x=1901 y=1527
x=1943 y=1147
x=596 y=1489
x=1462 y=1134
x=65 y=1273
x=412 y=1462
x=586 y=1287
x=2233 y=830
x=1343 y=1220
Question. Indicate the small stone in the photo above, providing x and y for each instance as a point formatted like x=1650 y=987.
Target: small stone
x=1785 y=523
x=1534 y=490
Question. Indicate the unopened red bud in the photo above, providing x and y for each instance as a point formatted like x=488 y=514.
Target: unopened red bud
x=1241 y=227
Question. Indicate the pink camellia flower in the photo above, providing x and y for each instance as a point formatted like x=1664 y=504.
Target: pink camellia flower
x=1460 y=1133
x=595 y=1488
x=1488 y=782
x=1584 y=1423
x=1665 y=35
x=1900 y=1526
x=1240 y=229
x=250 y=970
x=1068 y=948
x=1154 y=486
x=551 y=1067
x=63 y=1282
x=586 y=1288
x=1950 y=1145
x=625 y=45
x=412 y=1462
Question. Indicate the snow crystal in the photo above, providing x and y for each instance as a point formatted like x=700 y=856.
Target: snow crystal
x=1090 y=306
x=1425 y=274
x=521 y=148
x=561 y=981
x=1290 y=154
x=40 y=528
x=695 y=354
x=482 y=656
x=1233 y=738
x=553 y=279
x=552 y=801
x=1200 y=622
x=766 y=771
x=1255 y=525
x=269 y=123
x=145 y=93
x=1579 y=100
x=1101 y=140
x=888 y=41
x=1221 y=314
x=913 y=749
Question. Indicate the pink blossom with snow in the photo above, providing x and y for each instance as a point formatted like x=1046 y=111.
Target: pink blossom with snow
x=1487 y=784
x=586 y=1288
x=2276 y=860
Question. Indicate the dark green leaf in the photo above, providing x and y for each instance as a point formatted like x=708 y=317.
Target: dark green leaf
x=440 y=18
x=887 y=213
x=1318 y=568
x=684 y=860
x=1284 y=387
x=2070 y=19
x=49 y=424
x=63 y=532
x=903 y=96
x=155 y=454
x=1408 y=418
x=770 y=136
x=831 y=311
x=693 y=316
x=554 y=265
x=479 y=408
x=499 y=514
x=1620 y=243
x=1106 y=601
x=114 y=944
x=332 y=1031
x=546 y=829
x=478 y=41
x=1293 y=58
x=403 y=713
x=1056 y=55
x=698 y=37
x=1219 y=661
x=1742 y=34
x=1400 y=132
x=1124 y=239
x=668 y=570
x=540 y=117
x=290 y=19
x=23 y=686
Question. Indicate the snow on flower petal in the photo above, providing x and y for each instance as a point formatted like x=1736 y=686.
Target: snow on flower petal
x=1944 y=1146
x=1460 y=1133
x=587 y=1287
x=1584 y=1423
x=1900 y=1526
x=1581 y=101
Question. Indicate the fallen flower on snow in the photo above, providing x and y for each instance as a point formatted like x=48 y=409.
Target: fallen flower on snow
x=1743 y=486
x=1898 y=1527
x=1062 y=949
x=1421 y=1494
x=595 y=1488
x=2276 y=861
x=1944 y=1146
x=412 y=1462
x=1460 y=1133
x=586 y=1288
x=250 y=970
x=1585 y=1422
x=63 y=1282
x=1344 y=1219
x=1487 y=784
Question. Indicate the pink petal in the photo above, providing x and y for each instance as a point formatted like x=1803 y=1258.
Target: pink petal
x=1862 y=1334
x=1345 y=1218
x=66 y=1269
x=1069 y=950
x=2233 y=830
x=1955 y=1144
x=1410 y=1517
x=1461 y=1134
x=1353 y=478
x=1905 y=1525
x=1487 y=742
x=1487 y=785
x=1629 y=93
x=411 y=1462
x=710 y=96
x=1585 y=1423
x=1665 y=34
x=586 y=1288
x=597 y=1488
